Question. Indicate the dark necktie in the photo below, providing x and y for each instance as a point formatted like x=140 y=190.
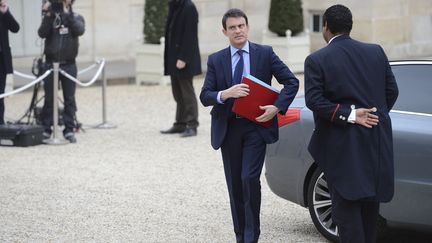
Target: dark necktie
x=238 y=71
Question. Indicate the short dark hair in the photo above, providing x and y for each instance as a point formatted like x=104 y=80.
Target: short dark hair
x=338 y=19
x=233 y=13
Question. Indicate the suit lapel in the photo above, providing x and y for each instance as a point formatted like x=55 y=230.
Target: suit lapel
x=253 y=58
x=226 y=63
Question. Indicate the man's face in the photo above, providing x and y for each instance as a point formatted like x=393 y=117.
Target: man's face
x=236 y=31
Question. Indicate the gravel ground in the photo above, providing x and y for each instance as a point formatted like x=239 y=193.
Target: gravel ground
x=129 y=184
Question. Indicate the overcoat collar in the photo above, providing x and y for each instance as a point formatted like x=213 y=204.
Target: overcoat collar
x=339 y=38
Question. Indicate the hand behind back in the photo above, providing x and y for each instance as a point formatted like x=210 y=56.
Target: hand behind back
x=366 y=118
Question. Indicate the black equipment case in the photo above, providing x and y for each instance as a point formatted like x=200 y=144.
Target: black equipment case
x=21 y=135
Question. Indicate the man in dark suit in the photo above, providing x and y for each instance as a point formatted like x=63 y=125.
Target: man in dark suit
x=350 y=88
x=7 y=23
x=243 y=143
x=182 y=61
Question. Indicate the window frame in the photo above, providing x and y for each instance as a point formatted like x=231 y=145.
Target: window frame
x=312 y=15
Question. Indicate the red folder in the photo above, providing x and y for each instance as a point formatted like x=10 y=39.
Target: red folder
x=260 y=94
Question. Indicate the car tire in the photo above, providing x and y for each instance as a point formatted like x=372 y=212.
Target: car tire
x=319 y=205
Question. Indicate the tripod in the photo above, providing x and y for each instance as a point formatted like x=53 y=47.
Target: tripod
x=32 y=109
x=33 y=115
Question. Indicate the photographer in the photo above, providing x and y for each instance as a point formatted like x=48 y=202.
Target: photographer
x=61 y=28
x=7 y=23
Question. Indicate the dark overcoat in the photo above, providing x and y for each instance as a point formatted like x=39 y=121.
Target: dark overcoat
x=7 y=23
x=181 y=39
x=346 y=74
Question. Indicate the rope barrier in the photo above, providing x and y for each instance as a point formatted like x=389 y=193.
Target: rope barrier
x=102 y=64
x=24 y=75
x=88 y=69
x=39 y=79
x=56 y=71
x=27 y=85
x=31 y=77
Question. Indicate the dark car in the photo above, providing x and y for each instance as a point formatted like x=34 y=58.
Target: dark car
x=292 y=173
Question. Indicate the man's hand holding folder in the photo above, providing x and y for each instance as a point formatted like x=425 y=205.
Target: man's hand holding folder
x=257 y=105
x=235 y=91
x=269 y=112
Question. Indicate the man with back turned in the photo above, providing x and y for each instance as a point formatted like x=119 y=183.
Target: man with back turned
x=350 y=88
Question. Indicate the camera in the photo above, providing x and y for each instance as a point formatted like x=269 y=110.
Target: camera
x=56 y=6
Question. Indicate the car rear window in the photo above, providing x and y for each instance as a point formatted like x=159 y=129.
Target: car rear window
x=415 y=88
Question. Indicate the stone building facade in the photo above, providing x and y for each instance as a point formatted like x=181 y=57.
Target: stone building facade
x=402 y=27
x=114 y=28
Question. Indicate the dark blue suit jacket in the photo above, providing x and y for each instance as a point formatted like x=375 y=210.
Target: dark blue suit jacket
x=357 y=161
x=264 y=64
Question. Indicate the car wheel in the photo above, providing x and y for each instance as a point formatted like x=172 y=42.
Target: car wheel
x=320 y=206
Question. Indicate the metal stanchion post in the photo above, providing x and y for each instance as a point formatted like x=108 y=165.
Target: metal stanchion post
x=104 y=124
x=55 y=140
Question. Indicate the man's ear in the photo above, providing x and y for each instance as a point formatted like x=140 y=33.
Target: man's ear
x=324 y=26
x=224 y=32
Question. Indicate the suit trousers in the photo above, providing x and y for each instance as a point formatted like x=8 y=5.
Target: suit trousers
x=243 y=152
x=2 y=90
x=356 y=220
x=187 y=106
x=68 y=87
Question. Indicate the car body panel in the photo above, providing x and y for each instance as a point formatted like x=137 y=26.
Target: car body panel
x=286 y=148
x=412 y=138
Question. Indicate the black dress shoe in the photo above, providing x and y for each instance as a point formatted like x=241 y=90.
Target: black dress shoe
x=174 y=129
x=189 y=132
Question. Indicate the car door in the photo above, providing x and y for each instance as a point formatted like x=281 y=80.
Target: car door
x=412 y=138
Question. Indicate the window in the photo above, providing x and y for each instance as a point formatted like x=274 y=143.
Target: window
x=316 y=22
x=415 y=88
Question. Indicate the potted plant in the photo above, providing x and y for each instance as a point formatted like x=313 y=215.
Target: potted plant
x=287 y=35
x=285 y=15
x=149 y=58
